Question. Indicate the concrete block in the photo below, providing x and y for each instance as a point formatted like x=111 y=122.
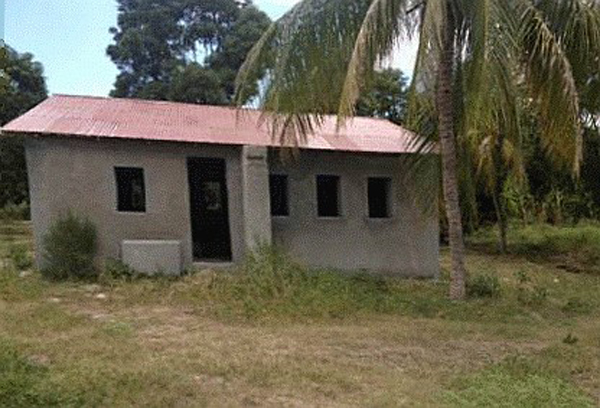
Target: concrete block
x=153 y=257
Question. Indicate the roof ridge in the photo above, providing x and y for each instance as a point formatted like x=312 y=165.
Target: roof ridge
x=228 y=107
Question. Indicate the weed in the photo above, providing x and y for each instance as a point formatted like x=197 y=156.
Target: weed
x=117 y=270
x=528 y=292
x=20 y=257
x=522 y=277
x=24 y=383
x=576 y=305
x=270 y=282
x=516 y=382
x=570 y=339
x=482 y=286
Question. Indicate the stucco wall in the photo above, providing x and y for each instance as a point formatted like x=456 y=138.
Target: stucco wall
x=406 y=244
x=70 y=173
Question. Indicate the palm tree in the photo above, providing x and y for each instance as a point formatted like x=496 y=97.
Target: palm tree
x=472 y=56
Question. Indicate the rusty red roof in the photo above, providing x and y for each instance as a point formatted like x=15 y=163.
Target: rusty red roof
x=179 y=122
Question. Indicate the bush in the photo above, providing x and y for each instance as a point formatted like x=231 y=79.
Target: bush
x=20 y=257
x=481 y=286
x=70 y=248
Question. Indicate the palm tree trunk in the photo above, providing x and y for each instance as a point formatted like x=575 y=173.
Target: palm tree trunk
x=499 y=204
x=449 y=161
x=501 y=216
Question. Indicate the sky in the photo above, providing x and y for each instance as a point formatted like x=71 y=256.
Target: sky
x=69 y=37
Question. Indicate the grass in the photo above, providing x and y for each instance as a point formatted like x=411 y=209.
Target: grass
x=573 y=248
x=283 y=336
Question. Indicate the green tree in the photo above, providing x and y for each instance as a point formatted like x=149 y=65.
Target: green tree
x=386 y=97
x=22 y=86
x=183 y=50
x=325 y=51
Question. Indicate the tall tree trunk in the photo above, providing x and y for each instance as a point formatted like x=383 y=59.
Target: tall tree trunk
x=499 y=182
x=445 y=102
x=500 y=215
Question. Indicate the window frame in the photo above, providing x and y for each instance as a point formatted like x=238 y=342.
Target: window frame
x=340 y=204
x=116 y=168
x=287 y=196
x=390 y=198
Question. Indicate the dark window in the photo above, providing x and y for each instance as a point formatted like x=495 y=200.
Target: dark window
x=278 y=185
x=131 y=192
x=328 y=196
x=379 y=197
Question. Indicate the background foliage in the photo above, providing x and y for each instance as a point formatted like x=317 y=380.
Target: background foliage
x=183 y=50
x=22 y=86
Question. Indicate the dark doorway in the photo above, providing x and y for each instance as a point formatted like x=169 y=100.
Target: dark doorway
x=211 y=239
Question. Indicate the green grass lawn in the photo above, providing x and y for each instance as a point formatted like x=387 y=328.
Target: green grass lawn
x=282 y=336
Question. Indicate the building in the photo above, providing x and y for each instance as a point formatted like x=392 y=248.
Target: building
x=169 y=185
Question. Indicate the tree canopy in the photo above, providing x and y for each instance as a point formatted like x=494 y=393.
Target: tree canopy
x=385 y=97
x=183 y=50
x=22 y=83
x=22 y=86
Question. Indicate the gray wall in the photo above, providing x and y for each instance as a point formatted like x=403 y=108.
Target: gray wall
x=79 y=174
x=406 y=244
x=71 y=173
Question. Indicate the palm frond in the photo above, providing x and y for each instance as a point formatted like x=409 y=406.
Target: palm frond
x=550 y=77
x=379 y=32
x=311 y=51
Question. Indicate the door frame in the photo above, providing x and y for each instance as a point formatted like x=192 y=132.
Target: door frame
x=227 y=207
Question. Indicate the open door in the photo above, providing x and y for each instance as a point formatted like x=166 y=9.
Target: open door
x=211 y=238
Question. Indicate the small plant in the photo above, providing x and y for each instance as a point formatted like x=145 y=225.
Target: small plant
x=20 y=257
x=15 y=211
x=529 y=293
x=115 y=269
x=577 y=306
x=70 y=248
x=532 y=295
x=570 y=339
x=482 y=286
x=522 y=277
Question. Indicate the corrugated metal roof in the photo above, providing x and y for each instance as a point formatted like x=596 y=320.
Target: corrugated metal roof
x=179 y=122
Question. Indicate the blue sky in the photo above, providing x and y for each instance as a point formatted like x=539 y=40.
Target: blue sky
x=69 y=37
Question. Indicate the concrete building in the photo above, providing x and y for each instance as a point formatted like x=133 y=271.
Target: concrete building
x=170 y=185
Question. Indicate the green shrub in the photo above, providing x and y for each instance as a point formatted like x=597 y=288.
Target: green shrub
x=70 y=248
x=20 y=257
x=482 y=286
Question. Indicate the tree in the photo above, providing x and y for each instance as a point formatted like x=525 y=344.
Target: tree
x=183 y=50
x=386 y=97
x=22 y=86
x=326 y=50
